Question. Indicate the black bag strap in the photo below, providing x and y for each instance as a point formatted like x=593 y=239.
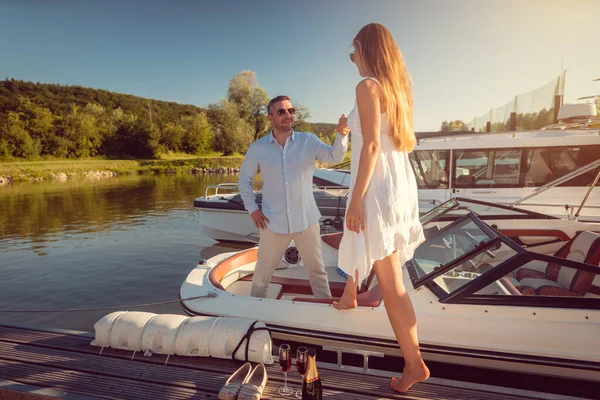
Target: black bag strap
x=247 y=337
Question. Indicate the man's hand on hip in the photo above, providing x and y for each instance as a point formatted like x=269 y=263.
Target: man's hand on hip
x=259 y=219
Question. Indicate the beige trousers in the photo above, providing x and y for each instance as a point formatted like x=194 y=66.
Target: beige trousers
x=271 y=248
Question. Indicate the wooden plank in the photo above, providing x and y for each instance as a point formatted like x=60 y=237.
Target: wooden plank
x=135 y=370
x=118 y=388
x=18 y=391
x=73 y=353
x=111 y=369
x=91 y=384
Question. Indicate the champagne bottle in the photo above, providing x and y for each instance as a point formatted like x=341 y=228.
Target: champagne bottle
x=311 y=386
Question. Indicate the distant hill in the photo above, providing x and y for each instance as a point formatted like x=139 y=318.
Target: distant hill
x=58 y=99
x=39 y=119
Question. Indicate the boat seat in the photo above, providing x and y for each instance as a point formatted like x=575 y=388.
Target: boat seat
x=333 y=239
x=243 y=288
x=465 y=181
x=298 y=285
x=551 y=279
x=218 y=272
x=289 y=285
x=369 y=295
x=370 y=298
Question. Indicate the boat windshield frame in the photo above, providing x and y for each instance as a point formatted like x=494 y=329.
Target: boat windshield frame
x=467 y=292
x=443 y=212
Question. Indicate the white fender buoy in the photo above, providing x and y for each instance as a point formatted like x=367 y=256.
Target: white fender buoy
x=185 y=336
x=194 y=336
x=159 y=333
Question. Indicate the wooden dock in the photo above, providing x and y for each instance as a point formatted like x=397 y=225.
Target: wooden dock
x=44 y=364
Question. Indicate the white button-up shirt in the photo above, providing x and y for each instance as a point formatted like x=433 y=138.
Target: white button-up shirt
x=287 y=172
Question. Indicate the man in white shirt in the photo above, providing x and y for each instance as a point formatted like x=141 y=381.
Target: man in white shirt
x=286 y=160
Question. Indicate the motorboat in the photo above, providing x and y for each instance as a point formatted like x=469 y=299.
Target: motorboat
x=493 y=287
x=548 y=170
x=223 y=217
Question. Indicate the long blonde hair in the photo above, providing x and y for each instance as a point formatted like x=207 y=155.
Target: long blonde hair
x=383 y=61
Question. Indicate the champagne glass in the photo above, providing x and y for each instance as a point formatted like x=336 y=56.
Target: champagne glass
x=285 y=364
x=301 y=365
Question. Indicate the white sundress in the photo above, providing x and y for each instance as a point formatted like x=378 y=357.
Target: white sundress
x=391 y=207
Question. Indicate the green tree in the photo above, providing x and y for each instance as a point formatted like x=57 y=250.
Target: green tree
x=324 y=131
x=171 y=138
x=134 y=138
x=301 y=119
x=17 y=141
x=81 y=131
x=251 y=101
x=198 y=133
x=452 y=126
x=38 y=121
x=231 y=133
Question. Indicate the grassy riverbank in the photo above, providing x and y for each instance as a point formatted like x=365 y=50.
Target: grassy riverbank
x=21 y=171
x=61 y=169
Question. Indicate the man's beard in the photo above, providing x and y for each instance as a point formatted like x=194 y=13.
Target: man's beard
x=287 y=126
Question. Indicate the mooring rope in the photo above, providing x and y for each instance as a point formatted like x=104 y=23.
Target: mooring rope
x=209 y=295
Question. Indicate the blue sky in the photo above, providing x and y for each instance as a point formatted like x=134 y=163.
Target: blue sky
x=465 y=56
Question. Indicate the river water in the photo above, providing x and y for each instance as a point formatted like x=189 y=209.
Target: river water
x=84 y=244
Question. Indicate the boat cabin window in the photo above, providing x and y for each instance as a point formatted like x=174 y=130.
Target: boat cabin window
x=487 y=168
x=522 y=167
x=431 y=168
x=544 y=165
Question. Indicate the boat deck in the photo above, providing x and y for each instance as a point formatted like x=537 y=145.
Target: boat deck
x=42 y=364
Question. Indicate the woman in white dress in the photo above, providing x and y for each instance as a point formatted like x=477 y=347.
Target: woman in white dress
x=382 y=227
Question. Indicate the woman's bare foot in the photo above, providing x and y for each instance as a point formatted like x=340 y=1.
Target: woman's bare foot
x=347 y=301
x=411 y=375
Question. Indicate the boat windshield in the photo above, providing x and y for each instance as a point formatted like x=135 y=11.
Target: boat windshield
x=470 y=262
x=457 y=244
x=457 y=207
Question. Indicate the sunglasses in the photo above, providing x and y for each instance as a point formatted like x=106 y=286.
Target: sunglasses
x=282 y=111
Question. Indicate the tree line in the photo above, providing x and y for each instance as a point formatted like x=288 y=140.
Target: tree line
x=38 y=120
x=525 y=121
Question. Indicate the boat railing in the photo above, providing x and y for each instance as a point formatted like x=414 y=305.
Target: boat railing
x=233 y=185
x=565 y=178
x=582 y=123
x=326 y=187
x=225 y=185
x=587 y=195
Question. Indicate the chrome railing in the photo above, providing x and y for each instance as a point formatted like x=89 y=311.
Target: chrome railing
x=226 y=185
x=565 y=178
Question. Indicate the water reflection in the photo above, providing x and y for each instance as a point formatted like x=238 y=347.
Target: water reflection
x=33 y=216
x=85 y=244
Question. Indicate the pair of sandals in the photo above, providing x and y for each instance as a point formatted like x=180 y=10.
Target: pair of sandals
x=245 y=383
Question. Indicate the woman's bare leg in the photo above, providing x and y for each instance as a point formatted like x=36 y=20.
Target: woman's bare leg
x=348 y=299
x=403 y=320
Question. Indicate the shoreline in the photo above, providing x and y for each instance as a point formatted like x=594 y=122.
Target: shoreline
x=61 y=170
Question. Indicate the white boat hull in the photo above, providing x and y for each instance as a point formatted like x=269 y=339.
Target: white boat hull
x=525 y=339
x=234 y=226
